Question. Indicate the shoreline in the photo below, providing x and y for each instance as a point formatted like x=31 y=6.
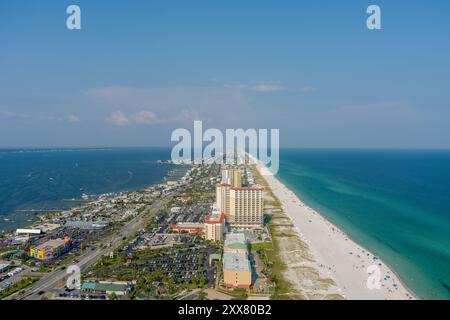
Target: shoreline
x=14 y=223
x=336 y=255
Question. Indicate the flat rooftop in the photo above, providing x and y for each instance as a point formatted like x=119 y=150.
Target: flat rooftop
x=52 y=243
x=235 y=240
x=215 y=216
x=236 y=261
x=86 y=224
x=30 y=231
x=189 y=225
x=114 y=287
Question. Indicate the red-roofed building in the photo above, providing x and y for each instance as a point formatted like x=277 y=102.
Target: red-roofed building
x=198 y=228
x=215 y=225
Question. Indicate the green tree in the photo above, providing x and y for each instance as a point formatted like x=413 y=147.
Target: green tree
x=201 y=295
x=112 y=296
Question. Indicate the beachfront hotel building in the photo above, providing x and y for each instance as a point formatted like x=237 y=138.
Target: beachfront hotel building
x=237 y=179
x=215 y=225
x=236 y=264
x=246 y=207
x=50 y=249
x=222 y=199
x=227 y=174
x=231 y=178
x=243 y=207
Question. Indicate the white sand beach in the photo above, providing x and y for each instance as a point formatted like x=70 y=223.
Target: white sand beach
x=336 y=255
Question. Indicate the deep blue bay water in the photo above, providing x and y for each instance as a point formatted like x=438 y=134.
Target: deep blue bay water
x=42 y=178
x=395 y=203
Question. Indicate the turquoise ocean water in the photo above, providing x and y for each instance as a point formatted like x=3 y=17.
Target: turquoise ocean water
x=395 y=203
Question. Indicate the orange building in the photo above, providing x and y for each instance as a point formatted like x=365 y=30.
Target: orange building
x=50 y=249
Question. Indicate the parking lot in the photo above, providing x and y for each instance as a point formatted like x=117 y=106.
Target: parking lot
x=183 y=265
x=9 y=278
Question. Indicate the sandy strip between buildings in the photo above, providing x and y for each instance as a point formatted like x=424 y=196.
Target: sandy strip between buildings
x=336 y=256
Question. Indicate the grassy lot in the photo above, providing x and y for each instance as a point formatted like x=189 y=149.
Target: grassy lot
x=261 y=246
x=284 y=290
x=22 y=284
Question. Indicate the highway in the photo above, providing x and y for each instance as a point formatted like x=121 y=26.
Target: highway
x=57 y=278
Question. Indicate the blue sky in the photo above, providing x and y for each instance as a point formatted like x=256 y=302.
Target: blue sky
x=139 y=69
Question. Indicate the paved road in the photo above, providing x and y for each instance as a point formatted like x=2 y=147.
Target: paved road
x=57 y=278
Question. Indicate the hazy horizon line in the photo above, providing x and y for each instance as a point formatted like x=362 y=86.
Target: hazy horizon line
x=169 y=147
